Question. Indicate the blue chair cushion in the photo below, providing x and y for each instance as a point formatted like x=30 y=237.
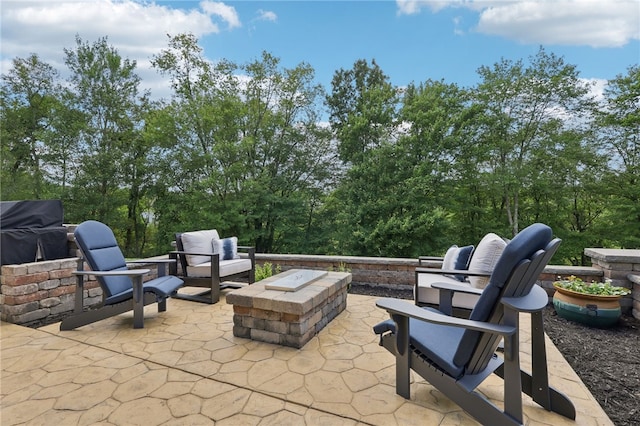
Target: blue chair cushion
x=102 y=253
x=423 y=335
x=162 y=287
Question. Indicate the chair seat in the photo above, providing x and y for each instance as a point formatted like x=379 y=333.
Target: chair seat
x=227 y=268
x=161 y=287
x=428 y=295
x=422 y=335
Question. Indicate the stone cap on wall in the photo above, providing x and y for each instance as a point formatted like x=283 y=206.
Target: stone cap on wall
x=614 y=255
x=337 y=259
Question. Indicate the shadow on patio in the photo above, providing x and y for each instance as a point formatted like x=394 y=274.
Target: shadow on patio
x=186 y=367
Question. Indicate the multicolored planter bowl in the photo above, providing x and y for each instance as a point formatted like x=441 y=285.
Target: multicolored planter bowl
x=590 y=309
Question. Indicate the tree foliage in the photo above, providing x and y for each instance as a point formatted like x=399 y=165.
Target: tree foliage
x=111 y=174
x=245 y=146
x=28 y=101
x=618 y=120
x=397 y=172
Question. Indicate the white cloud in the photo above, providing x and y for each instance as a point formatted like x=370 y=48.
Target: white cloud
x=265 y=15
x=411 y=7
x=597 y=87
x=227 y=13
x=594 y=23
x=137 y=29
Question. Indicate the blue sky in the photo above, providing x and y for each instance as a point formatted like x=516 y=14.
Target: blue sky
x=412 y=41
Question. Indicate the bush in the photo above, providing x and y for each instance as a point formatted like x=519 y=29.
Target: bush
x=266 y=270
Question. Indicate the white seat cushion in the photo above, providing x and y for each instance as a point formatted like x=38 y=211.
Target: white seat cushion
x=198 y=242
x=427 y=294
x=227 y=267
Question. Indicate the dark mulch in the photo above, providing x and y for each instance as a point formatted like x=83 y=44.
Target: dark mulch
x=607 y=360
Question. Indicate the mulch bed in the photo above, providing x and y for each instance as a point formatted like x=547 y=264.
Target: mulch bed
x=607 y=360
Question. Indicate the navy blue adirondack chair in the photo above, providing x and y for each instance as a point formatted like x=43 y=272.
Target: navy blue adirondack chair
x=123 y=289
x=456 y=355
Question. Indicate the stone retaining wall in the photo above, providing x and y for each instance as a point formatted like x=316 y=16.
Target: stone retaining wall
x=39 y=293
x=400 y=273
x=622 y=267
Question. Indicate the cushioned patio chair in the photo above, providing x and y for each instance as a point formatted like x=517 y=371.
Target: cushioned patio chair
x=456 y=355
x=211 y=262
x=123 y=289
x=468 y=267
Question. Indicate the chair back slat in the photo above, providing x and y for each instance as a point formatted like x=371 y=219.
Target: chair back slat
x=488 y=342
x=520 y=283
x=510 y=277
x=102 y=253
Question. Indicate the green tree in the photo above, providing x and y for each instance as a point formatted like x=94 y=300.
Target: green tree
x=568 y=193
x=618 y=120
x=363 y=115
x=524 y=106
x=28 y=97
x=205 y=108
x=111 y=175
x=291 y=163
x=245 y=153
x=362 y=106
x=443 y=176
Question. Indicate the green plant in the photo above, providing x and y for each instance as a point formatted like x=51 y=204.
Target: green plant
x=342 y=267
x=266 y=270
x=576 y=284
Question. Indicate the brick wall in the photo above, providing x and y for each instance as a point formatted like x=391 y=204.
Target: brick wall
x=41 y=292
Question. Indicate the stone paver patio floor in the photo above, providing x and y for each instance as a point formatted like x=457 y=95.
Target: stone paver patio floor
x=186 y=367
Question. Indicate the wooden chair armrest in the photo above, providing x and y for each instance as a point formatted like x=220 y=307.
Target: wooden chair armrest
x=191 y=253
x=128 y=272
x=405 y=309
x=158 y=261
x=535 y=301
x=422 y=259
x=457 y=288
x=464 y=272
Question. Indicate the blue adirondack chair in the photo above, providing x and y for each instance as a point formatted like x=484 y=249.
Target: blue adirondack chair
x=123 y=289
x=456 y=355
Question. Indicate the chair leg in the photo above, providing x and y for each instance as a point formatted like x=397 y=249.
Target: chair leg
x=162 y=305
x=88 y=317
x=403 y=365
x=512 y=379
x=215 y=282
x=138 y=302
x=536 y=384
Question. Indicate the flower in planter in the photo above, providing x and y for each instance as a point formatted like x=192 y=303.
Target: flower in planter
x=576 y=284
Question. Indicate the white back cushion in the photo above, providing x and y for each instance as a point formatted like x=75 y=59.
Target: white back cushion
x=198 y=242
x=484 y=258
